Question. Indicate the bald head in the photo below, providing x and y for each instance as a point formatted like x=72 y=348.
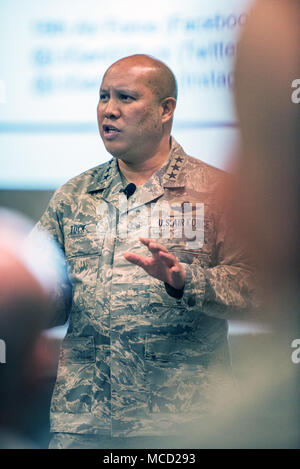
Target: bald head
x=136 y=109
x=158 y=76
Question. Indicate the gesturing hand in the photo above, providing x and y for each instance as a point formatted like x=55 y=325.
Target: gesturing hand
x=162 y=265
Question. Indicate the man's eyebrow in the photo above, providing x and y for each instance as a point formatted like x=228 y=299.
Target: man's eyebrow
x=127 y=91
x=122 y=91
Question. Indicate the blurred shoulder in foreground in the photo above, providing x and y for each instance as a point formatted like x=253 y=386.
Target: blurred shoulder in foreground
x=30 y=267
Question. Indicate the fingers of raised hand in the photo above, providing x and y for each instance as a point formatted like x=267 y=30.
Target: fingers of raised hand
x=169 y=258
x=152 y=245
x=136 y=259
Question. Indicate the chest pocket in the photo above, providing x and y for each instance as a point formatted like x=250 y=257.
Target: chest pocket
x=83 y=249
x=82 y=240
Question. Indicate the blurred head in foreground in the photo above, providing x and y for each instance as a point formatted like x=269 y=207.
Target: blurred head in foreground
x=27 y=275
x=264 y=202
x=267 y=64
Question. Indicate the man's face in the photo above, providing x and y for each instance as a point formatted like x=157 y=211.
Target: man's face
x=129 y=114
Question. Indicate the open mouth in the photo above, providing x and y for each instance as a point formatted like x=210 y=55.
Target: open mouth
x=110 y=130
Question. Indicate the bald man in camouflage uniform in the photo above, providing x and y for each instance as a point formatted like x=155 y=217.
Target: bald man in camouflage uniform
x=153 y=281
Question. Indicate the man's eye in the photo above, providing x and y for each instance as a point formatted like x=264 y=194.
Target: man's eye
x=125 y=97
x=103 y=97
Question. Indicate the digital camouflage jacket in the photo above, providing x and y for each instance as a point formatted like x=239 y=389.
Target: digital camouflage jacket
x=136 y=360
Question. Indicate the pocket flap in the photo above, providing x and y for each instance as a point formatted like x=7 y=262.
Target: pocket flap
x=173 y=349
x=78 y=350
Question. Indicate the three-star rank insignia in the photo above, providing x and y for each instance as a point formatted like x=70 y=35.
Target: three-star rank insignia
x=175 y=167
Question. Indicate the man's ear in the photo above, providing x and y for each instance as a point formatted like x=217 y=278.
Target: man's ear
x=168 y=106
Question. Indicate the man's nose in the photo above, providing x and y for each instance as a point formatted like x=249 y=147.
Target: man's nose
x=111 y=109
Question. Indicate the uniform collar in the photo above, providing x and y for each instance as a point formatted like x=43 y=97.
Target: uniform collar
x=174 y=173
x=105 y=176
x=170 y=175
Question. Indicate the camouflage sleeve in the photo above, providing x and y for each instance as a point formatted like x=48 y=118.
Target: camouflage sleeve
x=229 y=286
x=227 y=289
x=224 y=291
x=51 y=223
